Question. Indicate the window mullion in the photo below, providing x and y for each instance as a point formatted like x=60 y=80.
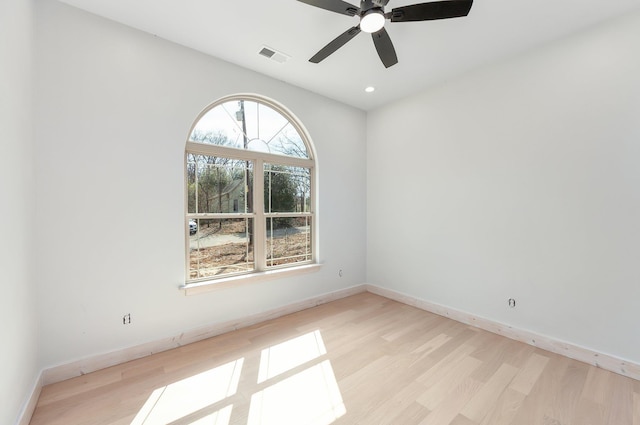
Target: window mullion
x=196 y=210
x=259 y=225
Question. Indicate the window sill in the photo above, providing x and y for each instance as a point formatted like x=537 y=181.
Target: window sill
x=214 y=285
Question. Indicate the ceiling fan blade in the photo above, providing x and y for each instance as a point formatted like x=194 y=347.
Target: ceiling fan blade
x=337 y=6
x=334 y=45
x=431 y=11
x=385 y=49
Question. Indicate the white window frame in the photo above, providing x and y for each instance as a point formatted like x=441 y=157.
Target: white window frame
x=259 y=216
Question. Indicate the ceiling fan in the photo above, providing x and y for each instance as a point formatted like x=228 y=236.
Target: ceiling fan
x=372 y=18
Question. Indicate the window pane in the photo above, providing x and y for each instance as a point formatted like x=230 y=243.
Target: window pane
x=287 y=189
x=288 y=142
x=223 y=184
x=191 y=183
x=220 y=126
x=219 y=247
x=246 y=124
x=288 y=240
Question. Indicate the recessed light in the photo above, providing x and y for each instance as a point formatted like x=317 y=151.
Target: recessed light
x=370 y=89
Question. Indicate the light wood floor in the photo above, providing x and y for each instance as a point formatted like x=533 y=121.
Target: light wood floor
x=360 y=360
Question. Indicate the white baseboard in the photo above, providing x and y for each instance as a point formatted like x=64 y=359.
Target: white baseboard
x=586 y=355
x=101 y=361
x=30 y=405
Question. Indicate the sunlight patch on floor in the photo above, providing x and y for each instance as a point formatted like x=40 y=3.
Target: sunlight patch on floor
x=295 y=385
x=311 y=397
x=181 y=398
x=221 y=417
x=282 y=357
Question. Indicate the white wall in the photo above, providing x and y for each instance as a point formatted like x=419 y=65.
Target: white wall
x=114 y=107
x=519 y=180
x=17 y=303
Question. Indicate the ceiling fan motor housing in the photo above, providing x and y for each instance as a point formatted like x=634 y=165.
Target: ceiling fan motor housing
x=380 y=3
x=366 y=5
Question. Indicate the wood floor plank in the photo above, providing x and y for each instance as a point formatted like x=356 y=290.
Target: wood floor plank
x=451 y=378
x=621 y=408
x=413 y=414
x=439 y=369
x=589 y=413
x=504 y=409
x=564 y=405
x=535 y=405
x=432 y=345
x=480 y=405
x=597 y=388
x=529 y=374
x=446 y=330
x=636 y=408
x=453 y=403
x=499 y=352
x=462 y=420
x=399 y=406
x=359 y=360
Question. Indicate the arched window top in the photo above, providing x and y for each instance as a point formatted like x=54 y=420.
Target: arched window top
x=252 y=123
x=250 y=191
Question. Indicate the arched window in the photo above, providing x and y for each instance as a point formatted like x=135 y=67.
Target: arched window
x=250 y=190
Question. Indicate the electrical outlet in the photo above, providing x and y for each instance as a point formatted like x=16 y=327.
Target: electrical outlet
x=126 y=319
x=512 y=302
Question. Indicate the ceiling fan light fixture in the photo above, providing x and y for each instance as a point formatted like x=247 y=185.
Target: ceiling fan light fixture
x=372 y=21
x=372 y=17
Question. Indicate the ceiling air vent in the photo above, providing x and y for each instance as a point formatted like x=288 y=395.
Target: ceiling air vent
x=274 y=55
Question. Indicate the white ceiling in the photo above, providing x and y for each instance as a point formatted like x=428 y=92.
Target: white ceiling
x=428 y=52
